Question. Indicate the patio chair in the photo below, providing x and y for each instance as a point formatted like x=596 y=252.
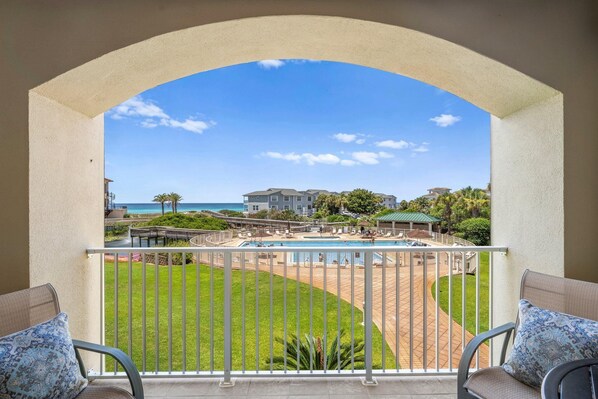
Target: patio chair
x=577 y=298
x=26 y=308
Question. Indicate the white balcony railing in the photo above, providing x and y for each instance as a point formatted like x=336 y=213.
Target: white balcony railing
x=232 y=311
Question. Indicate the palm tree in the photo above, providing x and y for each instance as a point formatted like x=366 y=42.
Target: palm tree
x=313 y=355
x=473 y=199
x=446 y=202
x=161 y=198
x=174 y=199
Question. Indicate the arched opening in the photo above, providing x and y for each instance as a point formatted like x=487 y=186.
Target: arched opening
x=66 y=136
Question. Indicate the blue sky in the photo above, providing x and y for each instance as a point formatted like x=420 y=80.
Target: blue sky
x=216 y=135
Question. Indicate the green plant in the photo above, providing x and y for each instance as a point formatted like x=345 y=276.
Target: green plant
x=198 y=283
x=174 y=199
x=476 y=230
x=161 y=198
x=308 y=353
x=177 y=257
x=338 y=218
x=363 y=201
x=197 y=221
x=231 y=213
x=116 y=232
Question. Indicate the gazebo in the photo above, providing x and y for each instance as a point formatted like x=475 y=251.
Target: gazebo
x=407 y=217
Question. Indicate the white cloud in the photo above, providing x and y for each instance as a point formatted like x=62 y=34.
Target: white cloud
x=370 y=158
x=149 y=123
x=348 y=138
x=418 y=149
x=349 y=162
x=188 y=124
x=308 y=158
x=287 y=157
x=397 y=145
x=154 y=116
x=421 y=148
x=444 y=120
x=137 y=106
x=345 y=137
x=312 y=159
x=269 y=64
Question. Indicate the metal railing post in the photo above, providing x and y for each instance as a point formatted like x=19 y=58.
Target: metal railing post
x=228 y=264
x=367 y=314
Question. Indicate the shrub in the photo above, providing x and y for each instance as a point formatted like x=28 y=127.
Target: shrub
x=188 y=222
x=116 y=232
x=177 y=258
x=338 y=218
x=476 y=230
x=230 y=213
x=312 y=353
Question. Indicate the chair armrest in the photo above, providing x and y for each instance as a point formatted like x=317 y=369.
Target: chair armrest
x=475 y=343
x=122 y=358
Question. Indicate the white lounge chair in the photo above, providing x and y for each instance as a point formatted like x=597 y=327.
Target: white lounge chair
x=277 y=232
x=388 y=234
x=400 y=235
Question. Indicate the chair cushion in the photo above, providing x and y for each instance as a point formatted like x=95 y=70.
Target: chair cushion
x=40 y=362
x=545 y=339
x=494 y=382
x=104 y=392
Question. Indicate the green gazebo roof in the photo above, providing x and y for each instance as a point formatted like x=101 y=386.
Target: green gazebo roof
x=408 y=217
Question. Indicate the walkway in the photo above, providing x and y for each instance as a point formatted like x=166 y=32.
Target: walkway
x=385 y=281
x=438 y=329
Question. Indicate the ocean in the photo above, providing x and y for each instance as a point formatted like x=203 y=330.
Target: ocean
x=182 y=207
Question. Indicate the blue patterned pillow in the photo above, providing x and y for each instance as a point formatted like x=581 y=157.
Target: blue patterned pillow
x=546 y=339
x=40 y=362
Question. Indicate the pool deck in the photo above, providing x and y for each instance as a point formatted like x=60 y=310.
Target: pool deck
x=392 y=280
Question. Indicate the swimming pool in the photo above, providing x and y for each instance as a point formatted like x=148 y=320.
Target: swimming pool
x=341 y=257
x=325 y=243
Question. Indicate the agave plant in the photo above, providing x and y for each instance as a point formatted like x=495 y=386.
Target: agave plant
x=309 y=353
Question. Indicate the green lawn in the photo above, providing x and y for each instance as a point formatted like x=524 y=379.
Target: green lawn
x=470 y=302
x=204 y=327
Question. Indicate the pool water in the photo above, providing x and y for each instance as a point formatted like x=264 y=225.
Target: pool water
x=342 y=257
x=326 y=243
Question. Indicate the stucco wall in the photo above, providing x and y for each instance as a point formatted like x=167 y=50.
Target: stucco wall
x=527 y=198
x=65 y=201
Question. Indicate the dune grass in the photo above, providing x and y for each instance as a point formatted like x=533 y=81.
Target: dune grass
x=199 y=346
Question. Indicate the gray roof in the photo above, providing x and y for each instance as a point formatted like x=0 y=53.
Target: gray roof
x=270 y=191
x=258 y=193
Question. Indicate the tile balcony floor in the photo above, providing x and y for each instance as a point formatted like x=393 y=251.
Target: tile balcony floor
x=298 y=388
